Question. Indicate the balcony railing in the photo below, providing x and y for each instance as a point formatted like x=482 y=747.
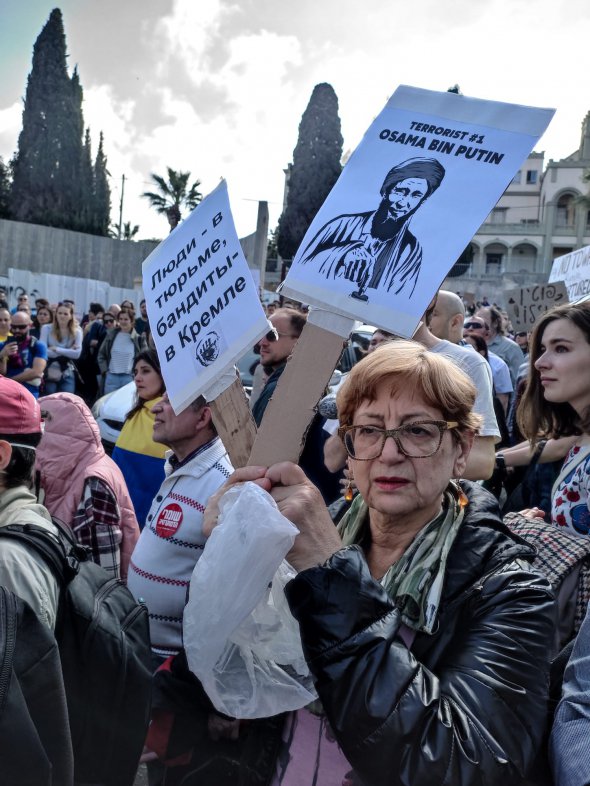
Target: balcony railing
x=528 y=228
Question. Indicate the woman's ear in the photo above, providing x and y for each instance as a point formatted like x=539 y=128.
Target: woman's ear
x=463 y=447
x=5 y=453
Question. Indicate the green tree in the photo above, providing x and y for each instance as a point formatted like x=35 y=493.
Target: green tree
x=173 y=194
x=127 y=232
x=102 y=193
x=49 y=157
x=316 y=167
x=86 y=187
x=4 y=190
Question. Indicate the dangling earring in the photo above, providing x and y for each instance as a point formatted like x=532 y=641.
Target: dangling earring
x=348 y=492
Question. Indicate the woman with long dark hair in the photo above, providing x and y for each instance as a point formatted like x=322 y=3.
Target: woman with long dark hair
x=140 y=459
x=556 y=403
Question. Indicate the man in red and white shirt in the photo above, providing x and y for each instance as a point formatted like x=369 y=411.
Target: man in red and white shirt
x=172 y=540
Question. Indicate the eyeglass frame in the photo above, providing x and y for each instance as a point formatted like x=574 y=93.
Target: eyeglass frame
x=20 y=327
x=442 y=425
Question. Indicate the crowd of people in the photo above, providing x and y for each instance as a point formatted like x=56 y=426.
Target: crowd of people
x=437 y=614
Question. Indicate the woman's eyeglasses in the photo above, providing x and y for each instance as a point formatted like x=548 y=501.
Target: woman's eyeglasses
x=415 y=440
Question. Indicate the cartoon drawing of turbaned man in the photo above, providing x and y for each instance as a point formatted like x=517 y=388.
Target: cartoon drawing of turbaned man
x=377 y=250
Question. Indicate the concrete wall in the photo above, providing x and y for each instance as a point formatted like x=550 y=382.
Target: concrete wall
x=62 y=252
x=59 y=251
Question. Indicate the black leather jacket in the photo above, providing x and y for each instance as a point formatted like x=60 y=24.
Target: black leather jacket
x=467 y=705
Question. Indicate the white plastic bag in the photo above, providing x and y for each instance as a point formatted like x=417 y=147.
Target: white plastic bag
x=240 y=638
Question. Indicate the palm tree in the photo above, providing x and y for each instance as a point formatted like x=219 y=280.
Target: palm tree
x=126 y=232
x=174 y=194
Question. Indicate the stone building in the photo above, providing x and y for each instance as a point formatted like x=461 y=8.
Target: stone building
x=539 y=217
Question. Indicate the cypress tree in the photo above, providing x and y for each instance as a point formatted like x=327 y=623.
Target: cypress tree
x=102 y=193
x=316 y=167
x=86 y=187
x=4 y=190
x=48 y=162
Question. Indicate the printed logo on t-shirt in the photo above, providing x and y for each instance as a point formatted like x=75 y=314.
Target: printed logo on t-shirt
x=169 y=520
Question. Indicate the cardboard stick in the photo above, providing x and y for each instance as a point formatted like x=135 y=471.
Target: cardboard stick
x=232 y=417
x=281 y=435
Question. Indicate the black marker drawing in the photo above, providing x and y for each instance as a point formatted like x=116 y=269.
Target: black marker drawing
x=207 y=349
x=376 y=249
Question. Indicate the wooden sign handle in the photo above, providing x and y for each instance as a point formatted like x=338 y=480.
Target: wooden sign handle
x=234 y=422
x=289 y=413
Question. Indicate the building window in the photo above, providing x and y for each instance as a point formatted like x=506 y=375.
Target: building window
x=517 y=176
x=493 y=263
x=498 y=215
x=565 y=212
x=531 y=177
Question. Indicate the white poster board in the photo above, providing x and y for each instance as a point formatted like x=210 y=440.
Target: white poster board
x=413 y=194
x=574 y=270
x=526 y=304
x=202 y=302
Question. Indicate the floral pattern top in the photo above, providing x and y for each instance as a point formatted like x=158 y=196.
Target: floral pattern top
x=570 y=502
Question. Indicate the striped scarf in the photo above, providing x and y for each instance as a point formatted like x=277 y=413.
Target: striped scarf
x=415 y=581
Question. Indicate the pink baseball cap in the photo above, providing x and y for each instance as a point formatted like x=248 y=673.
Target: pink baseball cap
x=19 y=410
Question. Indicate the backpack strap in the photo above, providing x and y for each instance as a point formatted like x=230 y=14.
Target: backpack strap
x=63 y=561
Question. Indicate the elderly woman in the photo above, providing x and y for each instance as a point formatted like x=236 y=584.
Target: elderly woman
x=428 y=635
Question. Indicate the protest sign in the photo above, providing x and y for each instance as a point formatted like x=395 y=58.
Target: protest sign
x=574 y=270
x=525 y=305
x=410 y=198
x=203 y=304
x=425 y=176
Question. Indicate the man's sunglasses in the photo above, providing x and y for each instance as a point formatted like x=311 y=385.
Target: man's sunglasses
x=474 y=326
x=274 y=335
x=522 y=334
x=19 y=327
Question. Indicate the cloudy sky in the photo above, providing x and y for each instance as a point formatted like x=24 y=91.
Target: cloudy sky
x=218 y=87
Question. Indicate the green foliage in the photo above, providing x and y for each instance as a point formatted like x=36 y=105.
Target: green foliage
x=173 y=194
x=125 y=232
x=102 y=193
x=4 y=190
x=54 y=182
x=316 y=167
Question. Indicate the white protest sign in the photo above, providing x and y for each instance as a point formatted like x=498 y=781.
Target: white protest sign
x=413 y=194
x=525 y=305
x=202 y=302
x=574 y=270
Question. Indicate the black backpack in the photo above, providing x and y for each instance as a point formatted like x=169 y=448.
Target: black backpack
x=104 y=646
x=35 y=742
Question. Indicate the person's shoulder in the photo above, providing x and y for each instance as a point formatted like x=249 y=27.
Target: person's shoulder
x=484 y=544
x=463 y=355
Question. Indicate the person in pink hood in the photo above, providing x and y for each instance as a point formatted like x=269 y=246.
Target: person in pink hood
x=83 y=487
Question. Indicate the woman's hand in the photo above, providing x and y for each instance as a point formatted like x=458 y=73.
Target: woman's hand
x=300 y=502
x=533 y=513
